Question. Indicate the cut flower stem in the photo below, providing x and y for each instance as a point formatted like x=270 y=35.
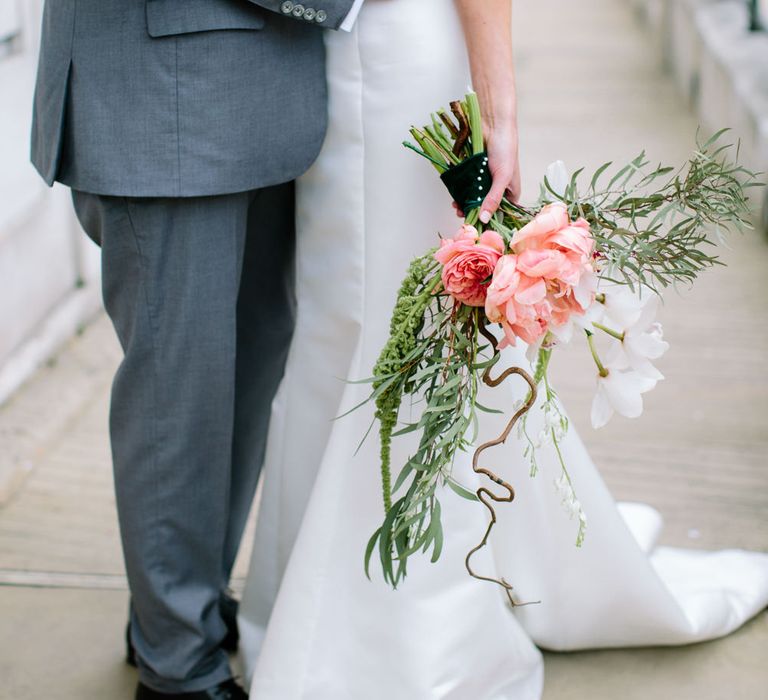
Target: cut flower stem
x=591 y=342
x=619 y=335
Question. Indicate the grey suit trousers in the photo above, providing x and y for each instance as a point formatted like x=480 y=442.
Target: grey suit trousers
x=200 y=292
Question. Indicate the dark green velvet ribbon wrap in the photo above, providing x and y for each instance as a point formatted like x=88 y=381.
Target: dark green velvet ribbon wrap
x=469 y=182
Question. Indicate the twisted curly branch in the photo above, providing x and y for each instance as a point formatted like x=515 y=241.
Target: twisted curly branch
x=484 y=494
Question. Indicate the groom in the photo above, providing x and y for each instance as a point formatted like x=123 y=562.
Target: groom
x=180 y=125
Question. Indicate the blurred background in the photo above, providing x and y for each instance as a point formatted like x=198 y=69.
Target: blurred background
x=49 y=275
x=598 y=80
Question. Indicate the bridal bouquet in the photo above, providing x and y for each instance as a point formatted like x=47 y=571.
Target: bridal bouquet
x=585 y=262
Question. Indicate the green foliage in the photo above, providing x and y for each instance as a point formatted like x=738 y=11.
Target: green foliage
x=438 y=367
x=395 y=367
x=661 y=226
x=446 y=143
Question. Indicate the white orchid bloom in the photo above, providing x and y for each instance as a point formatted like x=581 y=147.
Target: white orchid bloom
x=585 y=290
x=558 y=177
x=641 y=343
x=564 y=333
x=621 y=306
x=619 y=391
x=532 y=351
x=572 y=504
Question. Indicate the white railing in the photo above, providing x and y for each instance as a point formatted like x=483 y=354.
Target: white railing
x=10 y=27
x=48 y=269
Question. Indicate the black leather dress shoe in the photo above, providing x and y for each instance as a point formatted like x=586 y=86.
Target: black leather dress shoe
x=228 y=607
x=228 y=690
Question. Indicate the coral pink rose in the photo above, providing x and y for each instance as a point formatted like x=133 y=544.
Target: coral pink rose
x=468 y=261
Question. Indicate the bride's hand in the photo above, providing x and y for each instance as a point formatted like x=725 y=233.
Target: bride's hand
x=488 y=32
x=502 y=147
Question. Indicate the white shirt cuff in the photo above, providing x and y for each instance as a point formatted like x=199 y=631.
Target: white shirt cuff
x=349 y=20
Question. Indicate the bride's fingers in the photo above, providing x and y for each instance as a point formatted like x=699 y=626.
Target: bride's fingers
x=513 y=191
x=458 y=211
x=501 y=181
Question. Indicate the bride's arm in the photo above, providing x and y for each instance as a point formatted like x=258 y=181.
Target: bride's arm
x=488 y=31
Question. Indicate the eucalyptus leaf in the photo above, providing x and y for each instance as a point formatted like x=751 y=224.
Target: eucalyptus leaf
x=458 y=489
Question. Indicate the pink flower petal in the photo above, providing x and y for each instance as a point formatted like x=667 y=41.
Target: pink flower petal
x=530 y=290
x=492 y=240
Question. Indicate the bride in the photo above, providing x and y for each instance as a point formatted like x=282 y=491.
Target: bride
x=313 y=627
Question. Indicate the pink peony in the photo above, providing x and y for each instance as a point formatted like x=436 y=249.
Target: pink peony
x=564 y=304
x=545 y=280
x=468 y=261
x=551 y=228
x=551 y=219
x=518 y=302
x=552 y=246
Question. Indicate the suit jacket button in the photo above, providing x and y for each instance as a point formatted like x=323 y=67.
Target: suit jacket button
x=298 y=10
x=309 y=14
x=287 y=7
x=321 y=16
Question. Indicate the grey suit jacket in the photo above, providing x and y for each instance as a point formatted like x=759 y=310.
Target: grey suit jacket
x=180 y=98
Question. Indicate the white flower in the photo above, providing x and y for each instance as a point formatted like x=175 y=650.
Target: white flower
x=558 y=177
x=621 y=306
x=642 y=342
x=563 y=486
x=563 y=333
x=569 y=501
x=586 y=321
x=552 y=429
x=619 y=391
x=532 y=351
x=584 y=292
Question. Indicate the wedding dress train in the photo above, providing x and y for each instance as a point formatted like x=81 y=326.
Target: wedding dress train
x=313 y=627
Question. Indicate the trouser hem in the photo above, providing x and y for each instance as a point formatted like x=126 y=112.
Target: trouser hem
x=193 y=685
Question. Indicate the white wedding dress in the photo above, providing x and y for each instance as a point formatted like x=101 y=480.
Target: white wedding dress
x=313 y=627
